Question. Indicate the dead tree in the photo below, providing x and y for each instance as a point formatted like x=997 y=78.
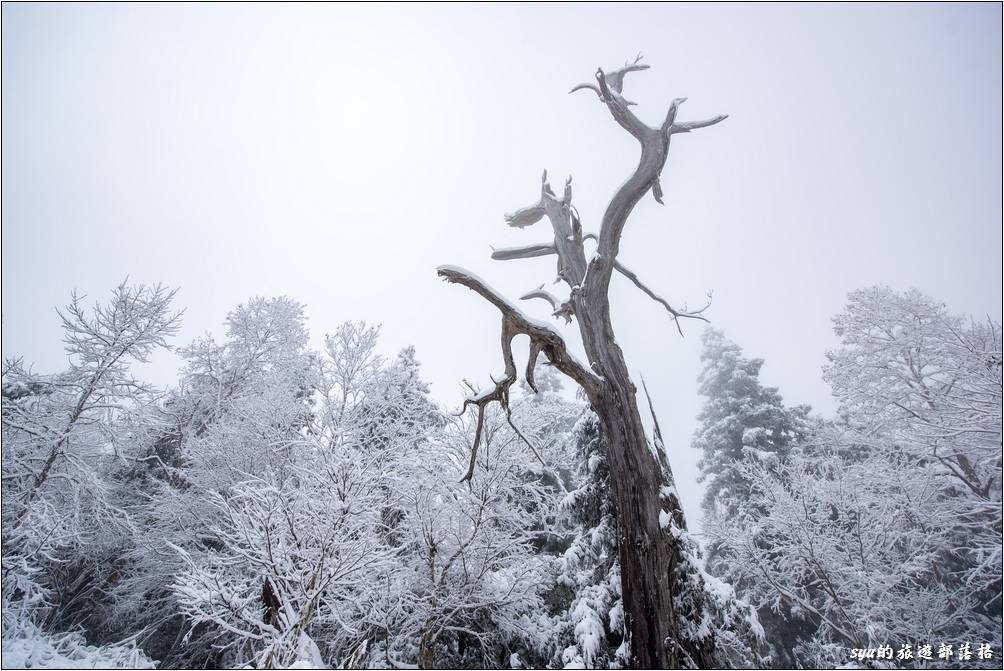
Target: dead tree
x=664 y=594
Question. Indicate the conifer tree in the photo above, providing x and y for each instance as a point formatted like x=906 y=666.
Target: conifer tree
x=741 y=418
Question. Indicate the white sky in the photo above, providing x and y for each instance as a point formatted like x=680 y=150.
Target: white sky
x=338 y=154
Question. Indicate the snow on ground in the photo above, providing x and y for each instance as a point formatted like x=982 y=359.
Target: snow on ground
x=31 y=648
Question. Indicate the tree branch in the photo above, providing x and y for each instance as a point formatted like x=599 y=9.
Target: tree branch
x=671 y=113
x=542 y=339
x=540 y=292
x=499 y=393
x=525 y=216
x=654 y=151
x=616 y=78
x=551 y=343
x=610 y=93
x=527 y=252
x=614 y=81
x=677 y=315
x=688 y=126
x=564 y=310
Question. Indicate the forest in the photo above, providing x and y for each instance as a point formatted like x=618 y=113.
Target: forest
x=308 y=498
x=281 y=507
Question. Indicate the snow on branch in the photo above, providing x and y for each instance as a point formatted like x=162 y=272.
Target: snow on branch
x=526 y=216
x=543 y=339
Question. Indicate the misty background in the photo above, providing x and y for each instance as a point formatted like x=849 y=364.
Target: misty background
x=338 y=154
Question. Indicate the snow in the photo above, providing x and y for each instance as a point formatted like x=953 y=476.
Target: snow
x=499 y=296
x=536 y=323
x=255 y=517
x=589 y=630
x=31 y=648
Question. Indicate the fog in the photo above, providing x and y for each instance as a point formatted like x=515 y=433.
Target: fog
x=338 y=154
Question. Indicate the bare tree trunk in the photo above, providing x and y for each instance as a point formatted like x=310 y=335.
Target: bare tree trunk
x=427 y=647
x=649 y=557
x=662 y=590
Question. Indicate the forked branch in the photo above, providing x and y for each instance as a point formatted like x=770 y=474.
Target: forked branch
x=654 y=151
x=670 y=127
x=552 y=345
x=543 y=339
x=590 y=281
x=499 y=393
x=564 y=310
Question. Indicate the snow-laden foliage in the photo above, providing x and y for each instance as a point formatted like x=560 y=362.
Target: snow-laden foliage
x=282 y=507
x=709 y=611
x=742 y=422
x=66 y=440
x=25 y=646
x=590 y=569
x=883 y=528
x=740 y=418
x=477 y=558
x=926 y=386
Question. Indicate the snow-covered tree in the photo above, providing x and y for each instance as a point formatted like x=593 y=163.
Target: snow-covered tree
x=299 y=464
x=590 y=569
x=282 y=560
x=345 y=371
x=65 y=439
x=240 y=407
x=925 y=378
x=925 y=385
x=475 y=557
x=740 y=418
x=884 y=527
x=853 y=551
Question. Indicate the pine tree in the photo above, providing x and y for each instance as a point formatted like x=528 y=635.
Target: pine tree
x=741 y=418
x=742 y=422
x=590 y=568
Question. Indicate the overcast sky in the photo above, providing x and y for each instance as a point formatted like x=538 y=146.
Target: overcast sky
x=338 y=154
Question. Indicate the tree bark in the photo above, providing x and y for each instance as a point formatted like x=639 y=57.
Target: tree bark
x=662 y=590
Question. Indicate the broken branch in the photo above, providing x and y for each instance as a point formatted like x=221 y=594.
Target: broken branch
x=654 y=151
x=526 y=216
x=552 y=344
x=688 y=126
x=543 y=339
x=540 y=292
x=527 y=252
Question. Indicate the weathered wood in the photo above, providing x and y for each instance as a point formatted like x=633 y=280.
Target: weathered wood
x=658 y=586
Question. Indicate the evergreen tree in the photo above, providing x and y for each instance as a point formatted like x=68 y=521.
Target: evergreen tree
x=881 y=531
x=741 y=418
x=742 y=421
x=589 y=569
